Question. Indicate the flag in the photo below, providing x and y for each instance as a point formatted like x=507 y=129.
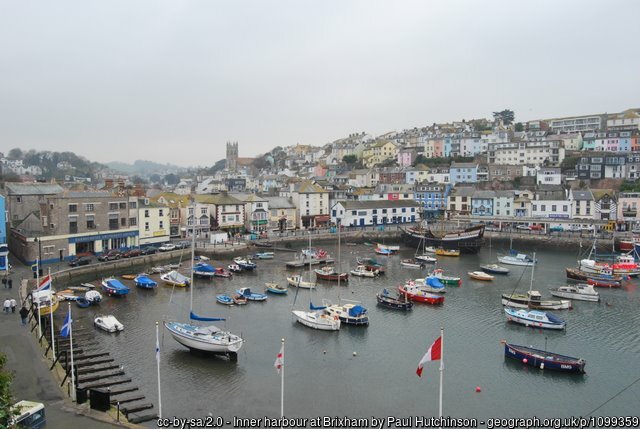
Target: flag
x=66 y=326
x=279 y=360
x=434 y=353
x=45 y=284
x=157 y=349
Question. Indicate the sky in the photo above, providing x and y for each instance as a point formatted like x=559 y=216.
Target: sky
x=173 y=81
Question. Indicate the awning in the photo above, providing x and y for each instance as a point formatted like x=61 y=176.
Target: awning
x=322 y=218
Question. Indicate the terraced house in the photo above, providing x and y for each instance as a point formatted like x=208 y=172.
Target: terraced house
x=432 y=197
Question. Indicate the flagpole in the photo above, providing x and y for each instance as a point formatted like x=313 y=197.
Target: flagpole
x=37 y=286
x=441 y=368
x=282 y=385
x=73 y=377
x=53 y=343
x=158 y=361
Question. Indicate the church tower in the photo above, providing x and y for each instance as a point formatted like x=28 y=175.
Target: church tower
x=232 y=156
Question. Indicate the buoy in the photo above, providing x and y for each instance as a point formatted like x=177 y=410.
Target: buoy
x=324 y=352
x=524 y=360
x=541 y=365
x=355 y=354
x=478 y=389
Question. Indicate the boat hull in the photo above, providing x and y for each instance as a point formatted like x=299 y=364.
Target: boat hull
x=512 y=316
x=334 y=277
x=425 y=297
x=393 y=303
x=544 y=360
x=481 y=276
x=494 y=269
x=225 y=342
x=299 y=283
x=522 y=301
x=321 y=322
x=469 y=240
x=575 y=295
x=514 y=261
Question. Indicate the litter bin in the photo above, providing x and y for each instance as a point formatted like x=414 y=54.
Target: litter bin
x=100 y=399
x=81 y=395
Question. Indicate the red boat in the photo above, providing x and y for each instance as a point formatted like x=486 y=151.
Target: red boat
x=604 y=283
x=329 y=273
x=418 y=294
x=625 y=245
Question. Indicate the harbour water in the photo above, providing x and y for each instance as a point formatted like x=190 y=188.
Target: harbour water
x=323 y=377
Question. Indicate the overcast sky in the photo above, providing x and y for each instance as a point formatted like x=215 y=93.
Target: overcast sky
x=172 y=81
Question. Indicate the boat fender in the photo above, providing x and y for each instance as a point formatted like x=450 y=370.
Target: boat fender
x=541 y=365
x=525 y=360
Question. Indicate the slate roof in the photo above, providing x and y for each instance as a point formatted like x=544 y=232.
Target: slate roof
x=15 y=188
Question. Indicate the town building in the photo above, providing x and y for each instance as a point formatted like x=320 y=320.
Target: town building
x=432 y=197
x=256 y=210
x=605 y=205
x=312 y=202
x=604 y=166
x=549 y=176
x=578 y=123
x=629 y=120
x=154 y=222
x=380 y=212
x=459 y=200
x=482 y=203
x=463 y=172
x=533 y=152
x=505 y=172
x=628 y=204
x=583 y=204
x=283 y=214
x=227 y=212
x=503 y=204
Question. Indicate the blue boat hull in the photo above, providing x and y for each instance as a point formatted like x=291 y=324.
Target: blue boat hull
x=568 y=364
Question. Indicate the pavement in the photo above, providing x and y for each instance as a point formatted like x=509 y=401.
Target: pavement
x=32 y=379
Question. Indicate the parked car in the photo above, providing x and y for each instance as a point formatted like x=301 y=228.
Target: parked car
x=150 y=250
x=167 y=247
x=111 y=255
x=183 y=244
x=523 y=227
x=536 y=227
x=556 y=228
x=586 y=228
x=573 y=228
x=77 y=262
x=131 y=253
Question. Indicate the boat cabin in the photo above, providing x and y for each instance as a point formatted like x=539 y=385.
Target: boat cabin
x=534 y=296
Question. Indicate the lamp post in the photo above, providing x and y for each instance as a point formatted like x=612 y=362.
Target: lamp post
x=39 y=262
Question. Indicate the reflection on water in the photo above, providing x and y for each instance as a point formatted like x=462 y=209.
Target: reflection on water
x=323 y=377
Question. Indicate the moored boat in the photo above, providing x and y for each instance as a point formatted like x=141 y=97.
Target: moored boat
x=603 y=283
x=239 y=299
x=398 y=302
x=371 y=264
x=114 y=287
x=440 y=251
x=108 y=323
x=362 y=271
x=515 y=258
x=245 y=263
x=533 y=299
x=234 y=268
x=204 y=270
x=276 y=288
x=145 y=282
x=297 y=281
x=316 y=318
x=221 y=272
x=46 y=301
x=445 y=279
x=480 y=275
x=418 y=294
x=534 y=318
x=264 y=255
x=582 y=292
x=623 y=267
x=174 y=278
x=543 y=359
x=351 y=314
x=576 y=274
x=82 y=302
x=330 y=274
x=383 y=252
x=411 y=263
x=469 y=240
x=494 y=269
x=426 y=258
x=252 y=296
x=224 y=299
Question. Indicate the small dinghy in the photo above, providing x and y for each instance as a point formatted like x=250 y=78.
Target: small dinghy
x=221 y=272
x=234 y=268
x=108 y=323
x=494 y=269
x=224 y=299
x=276 y=288
x=145 y=282
x=239 y=299
x=480 y=275
x=93 y=296
x=252 y=296
x=82 y=302
x=174 y=278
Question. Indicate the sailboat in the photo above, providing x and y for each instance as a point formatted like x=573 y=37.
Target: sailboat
x=424 y=256
x=316 y=317
x=330 y=273
x=208 y=338
x=493 y=268
x=532 y=299
x=297 y=280
x=516 y=258
x=623 y=265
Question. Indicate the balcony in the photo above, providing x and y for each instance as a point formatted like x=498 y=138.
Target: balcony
x=629 y=212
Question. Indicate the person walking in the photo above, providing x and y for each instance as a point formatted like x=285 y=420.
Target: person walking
x=7 y=305
x=14 y=304
x=24 y=313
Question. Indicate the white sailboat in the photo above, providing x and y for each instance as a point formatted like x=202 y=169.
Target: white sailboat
x=425 y=256
x=516 y=258
x=208 y=338
x=316 y=318
x=297 y=280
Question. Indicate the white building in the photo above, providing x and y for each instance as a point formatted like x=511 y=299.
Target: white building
x=363 y=213
x=526 y=152
x=548 y=176
x=153 y=222
x=503 y=203
x=551 y=209
x=583 y=204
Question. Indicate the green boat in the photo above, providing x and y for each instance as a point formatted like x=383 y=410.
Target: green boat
x=446 y=280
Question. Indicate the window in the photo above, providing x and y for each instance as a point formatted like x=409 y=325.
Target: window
x=203 y=211
x=123 y=221
x=73 y=226
x=91 y=222
x=133 y=221
x=73 y=208
x=146 y=213
x=89 y=207
x=123 y=206
x=161 y=224
x=18 y=199
x=133 y=205
x=146 y=226
x=113 y=206
x=553 y=207
x=160 y=212
x=535 y=207
x=564 y=208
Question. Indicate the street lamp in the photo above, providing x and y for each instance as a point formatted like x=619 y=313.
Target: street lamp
x=38 y=264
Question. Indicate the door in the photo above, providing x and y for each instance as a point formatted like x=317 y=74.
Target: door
x=361 y=221
x=61 y=254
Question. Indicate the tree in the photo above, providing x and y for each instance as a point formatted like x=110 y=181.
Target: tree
x=6 y=399
x=506 y=115
x=349 y=159
x=519 y=127
x=15 y=153
x=171 y=179
x=155 y=178
x=137 y=180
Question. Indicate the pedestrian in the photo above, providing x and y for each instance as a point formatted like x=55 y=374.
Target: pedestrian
x=14 y=304
x=7 y=305
x=4 y=282
x=10 y=283
x=24 y=313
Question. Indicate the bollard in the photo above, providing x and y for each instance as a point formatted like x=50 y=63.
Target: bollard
x=118 y=408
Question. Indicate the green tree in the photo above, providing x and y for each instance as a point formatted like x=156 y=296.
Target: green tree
x=519 y=127
x=6 y=399
x=155 y=178
x=137 y=180
x=171 y=179
x=506 y=115
x=15 y=153
x=349 y=159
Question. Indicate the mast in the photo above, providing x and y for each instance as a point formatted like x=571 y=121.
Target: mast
x=193 y=256
x=310 y=258
x=533 y=268
x=441 y=368
x=339 y=261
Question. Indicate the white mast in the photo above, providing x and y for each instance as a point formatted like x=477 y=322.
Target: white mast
x=441 y=368
x=193 y=256
x=158 y=361
x=73 y=377
x=282 y=384
x=53 y=343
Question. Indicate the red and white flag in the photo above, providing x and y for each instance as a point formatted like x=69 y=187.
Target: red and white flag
x=434 y=353
x=45 y=284
x=279 y=360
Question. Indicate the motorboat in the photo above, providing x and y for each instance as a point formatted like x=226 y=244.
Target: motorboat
x=330 y=274
x=221 y=272
x=398 y=302
x=245 y=263
x=93 y=296
x=234 y=268
x=383 y=252
x=46 y=301
x=252 y=296
x=297 y=281
x=429 y=284
x=515 y=258
x=440 y=251
x=603 y=283
x=371 y=264
x=145 y=282
x=581 y=292
x=533 y=299
x=158 y=270
x=480 y=275
x=114 y=287
x=108 y=323
x=224 y=299
x=264 y=255
x=350 y=313
x=494 y=269
x=544 y=359
x=446 y=279
x=410 y=263
x=174 y=278
x=362 y=271
x=275 y=288
x=204 y=270
x=534 y=318
x=426 y=258
x=419 y=294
